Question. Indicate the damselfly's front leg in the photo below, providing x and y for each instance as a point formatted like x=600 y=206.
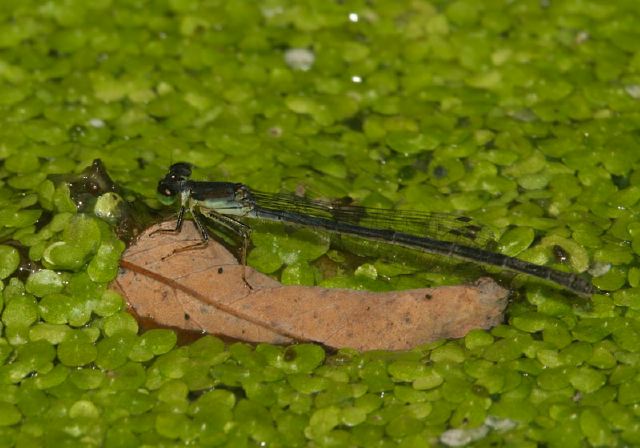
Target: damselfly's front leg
x=178 y=227
x=204 y=241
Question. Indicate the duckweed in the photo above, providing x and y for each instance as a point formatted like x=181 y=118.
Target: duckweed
x=76 y=352
x=9 y=261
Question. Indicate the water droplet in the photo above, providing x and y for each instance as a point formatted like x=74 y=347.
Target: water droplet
x=633 y=91
x=299 y=58
x=96 y=123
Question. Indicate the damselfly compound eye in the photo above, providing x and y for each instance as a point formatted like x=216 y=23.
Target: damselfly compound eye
x=180 y=170
x=168 y=188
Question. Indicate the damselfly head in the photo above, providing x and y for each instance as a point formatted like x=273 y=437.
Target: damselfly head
x=180 y=170
x=174 y=182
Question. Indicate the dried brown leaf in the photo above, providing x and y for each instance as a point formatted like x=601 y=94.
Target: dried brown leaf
x=206 y=289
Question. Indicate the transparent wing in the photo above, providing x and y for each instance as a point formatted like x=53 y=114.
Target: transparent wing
x=442 y=226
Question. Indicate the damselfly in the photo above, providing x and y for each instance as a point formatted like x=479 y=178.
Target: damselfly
x=227 y=203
